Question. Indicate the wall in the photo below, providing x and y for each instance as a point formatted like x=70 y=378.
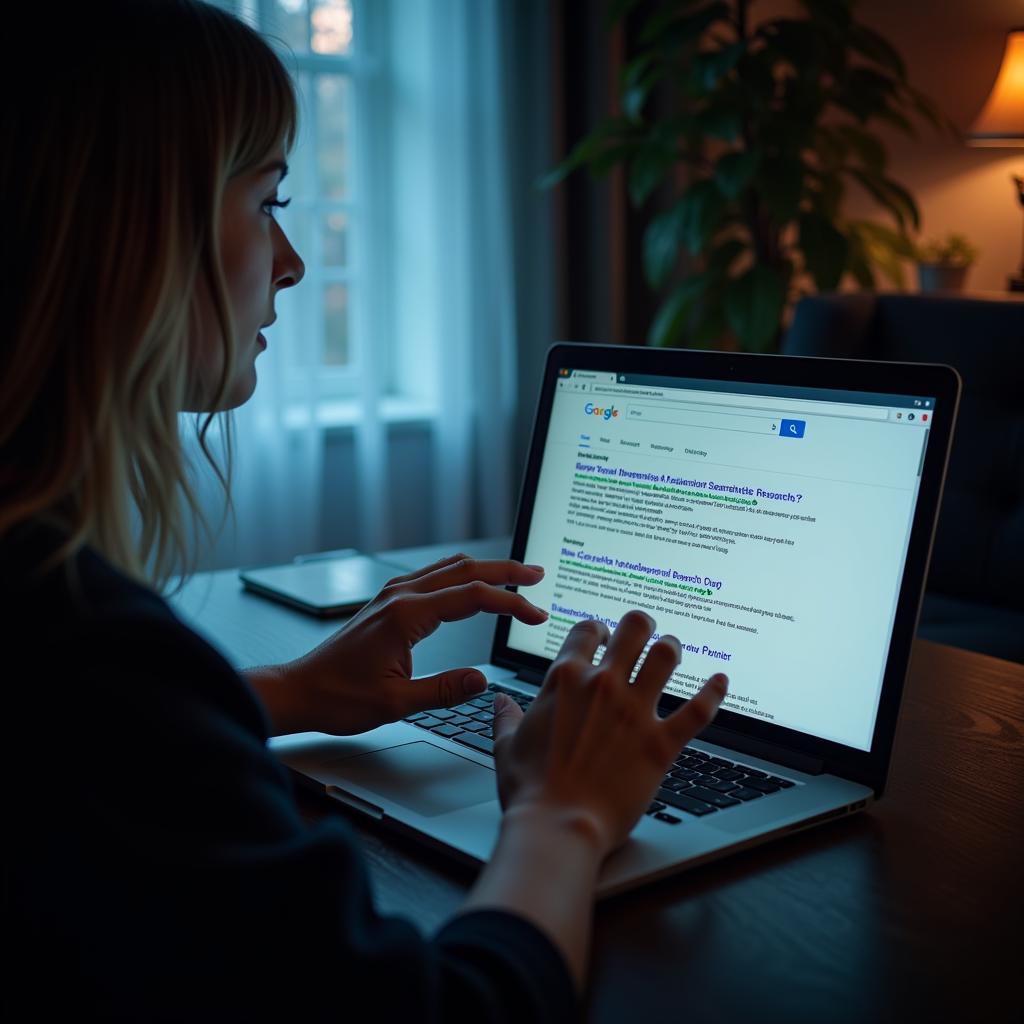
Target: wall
x=952 y=49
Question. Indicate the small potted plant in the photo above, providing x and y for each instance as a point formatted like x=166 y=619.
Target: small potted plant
x=942 y=263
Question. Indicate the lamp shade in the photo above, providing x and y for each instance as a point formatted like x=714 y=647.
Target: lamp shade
x=1001 y=121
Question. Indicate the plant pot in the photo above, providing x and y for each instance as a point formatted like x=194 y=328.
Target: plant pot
x=941 y=277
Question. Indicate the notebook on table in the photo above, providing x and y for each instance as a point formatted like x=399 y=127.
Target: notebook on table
x=774 y=513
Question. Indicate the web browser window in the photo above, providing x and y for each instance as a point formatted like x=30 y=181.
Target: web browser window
x=765 y=527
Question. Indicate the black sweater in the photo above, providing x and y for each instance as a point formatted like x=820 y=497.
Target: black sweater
x=157 y=865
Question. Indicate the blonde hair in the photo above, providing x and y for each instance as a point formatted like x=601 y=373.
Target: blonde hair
x=114 y=166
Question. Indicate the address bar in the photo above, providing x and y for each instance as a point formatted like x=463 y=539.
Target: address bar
x=796 y=406
x=694 y=418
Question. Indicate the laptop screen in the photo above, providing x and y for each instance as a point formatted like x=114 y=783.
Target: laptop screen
x=764 y=526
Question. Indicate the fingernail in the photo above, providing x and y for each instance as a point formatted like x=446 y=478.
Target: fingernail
x=537 y=568
x=473 y=683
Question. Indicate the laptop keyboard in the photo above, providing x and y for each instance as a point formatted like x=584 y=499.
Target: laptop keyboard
x=697 y=784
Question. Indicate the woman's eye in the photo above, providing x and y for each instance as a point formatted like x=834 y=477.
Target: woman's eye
x=278 y=203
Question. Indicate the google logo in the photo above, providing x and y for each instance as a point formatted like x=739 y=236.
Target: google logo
x=593 y=410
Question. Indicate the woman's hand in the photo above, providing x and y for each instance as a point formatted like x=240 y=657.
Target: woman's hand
x=592 y=746
x=361 y=677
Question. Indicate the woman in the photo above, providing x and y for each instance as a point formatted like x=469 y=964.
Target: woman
x=160 y=868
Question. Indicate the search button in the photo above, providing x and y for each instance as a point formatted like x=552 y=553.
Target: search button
x=792 y=428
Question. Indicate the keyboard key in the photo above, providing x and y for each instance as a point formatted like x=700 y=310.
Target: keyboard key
x=655 y=807
x=761 y=784
x=429 y=722
x=703 y=780
x=719 y=763
x=484 y=716
x=670 y=818
x=745 y=794
x=676 y=784
x=465 y=709
x=775 y=781
x=443 y=713
x=752 y=772
x=416 y=717
x=477 y=742
x=446 y=730
x=721 y=787
x=458 y=720
x=685 y=803
x=715 y=799
x=683 y=773
x=475 y=726
x=728 y=774
x=483 y=703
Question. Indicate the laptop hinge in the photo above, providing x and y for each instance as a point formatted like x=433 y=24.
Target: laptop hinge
x=531 y=675
x=765 y=751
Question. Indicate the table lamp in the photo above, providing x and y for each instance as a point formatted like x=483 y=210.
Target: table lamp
x=1001 y=120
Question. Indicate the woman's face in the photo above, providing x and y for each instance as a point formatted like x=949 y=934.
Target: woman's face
x=258 y=261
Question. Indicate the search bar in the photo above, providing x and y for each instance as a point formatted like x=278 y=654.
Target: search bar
x=704 y=420
x=755 y=404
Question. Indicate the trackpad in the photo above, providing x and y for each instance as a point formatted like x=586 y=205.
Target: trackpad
x=421 y=777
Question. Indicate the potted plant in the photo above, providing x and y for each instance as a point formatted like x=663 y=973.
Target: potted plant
x=942 y=263
x=755 y=132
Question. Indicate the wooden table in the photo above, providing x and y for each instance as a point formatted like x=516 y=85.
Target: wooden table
x=912 y=911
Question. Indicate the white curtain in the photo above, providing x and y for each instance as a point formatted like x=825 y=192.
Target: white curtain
x=433 y=314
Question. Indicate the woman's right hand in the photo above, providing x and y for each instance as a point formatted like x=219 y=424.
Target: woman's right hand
x=592 y=743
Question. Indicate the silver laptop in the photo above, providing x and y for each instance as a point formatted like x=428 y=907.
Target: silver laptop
x=774 y=513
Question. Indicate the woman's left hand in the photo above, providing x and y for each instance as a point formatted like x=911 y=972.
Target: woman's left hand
x=361 y=677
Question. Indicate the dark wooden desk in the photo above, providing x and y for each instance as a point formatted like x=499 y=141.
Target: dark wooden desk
x=912 y=911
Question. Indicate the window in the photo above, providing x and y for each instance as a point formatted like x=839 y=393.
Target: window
x=326 y=46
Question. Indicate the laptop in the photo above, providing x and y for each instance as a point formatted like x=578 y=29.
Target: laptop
x=774 y=513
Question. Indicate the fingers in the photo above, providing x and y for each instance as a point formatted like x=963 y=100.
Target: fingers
x=443 y=690
x=628 y=641
x=661 y=661
x=461 y=569
x=507 y=716
x=696 y=714
x=583 y=640
x=427 y=611
x=417 y=573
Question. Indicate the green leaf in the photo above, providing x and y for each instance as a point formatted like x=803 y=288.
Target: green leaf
x=858 y=262
x=866 y=93
x=646 y=171
x=835 y=14
x=734 y=171
x=637 y=80
x=661 y=244
x=825 y=250
x=709 y=68
x=613 y=134
x=618 y=9
x=780 y=184
x=720 y=122
x=869 y=43
x=829 y=196
x=690 y=223
x=894 y=197
x=883 y=247
x=868 y=148
x=673 y=314
x=673 y=26
x=721 y=259
x=703 y=206
x=754 y=304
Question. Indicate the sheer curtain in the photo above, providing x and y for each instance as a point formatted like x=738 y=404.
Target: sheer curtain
x=433 y=318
